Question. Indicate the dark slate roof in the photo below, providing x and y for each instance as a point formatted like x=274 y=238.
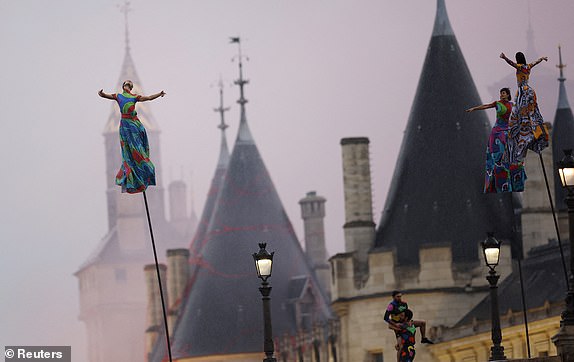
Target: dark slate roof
x=544 y=280
x=562 y=137
x=216 y=184
x=436 y=192
x=222 y=313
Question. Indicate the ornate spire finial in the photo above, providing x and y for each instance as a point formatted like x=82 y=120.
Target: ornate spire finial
x=562 y=97
x=560 y=66
x=125 y=8
x=223 y=151
x=221 y=110
x=240 y=82
x=244 y=135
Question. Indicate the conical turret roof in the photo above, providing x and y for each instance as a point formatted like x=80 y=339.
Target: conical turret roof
x=436 y=192
x=222 y=313
x=216 y=184
x=562 y=134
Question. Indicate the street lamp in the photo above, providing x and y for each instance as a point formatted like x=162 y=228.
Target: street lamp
x=491 y=250
x=564 y=340
x=264 y=265
x=566 y=172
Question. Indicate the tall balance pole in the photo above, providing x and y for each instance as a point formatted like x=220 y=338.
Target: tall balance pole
x=168 y=342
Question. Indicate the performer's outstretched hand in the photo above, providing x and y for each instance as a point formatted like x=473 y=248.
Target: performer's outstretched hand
x=102 y=94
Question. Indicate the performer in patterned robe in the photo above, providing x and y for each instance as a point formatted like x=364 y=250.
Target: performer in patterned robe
x=501 y=175
x=406 y=337
x=137 y=172
x=527 y=129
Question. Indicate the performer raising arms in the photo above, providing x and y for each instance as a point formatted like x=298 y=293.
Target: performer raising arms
x=501 y=175
x=526 y=123
x=393 y=316
x=137 y=172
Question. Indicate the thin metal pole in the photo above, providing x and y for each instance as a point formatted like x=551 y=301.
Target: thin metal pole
x=158 y=279
x=524 y=308
x=555 y=223
x=268 y=346
x=497 y=350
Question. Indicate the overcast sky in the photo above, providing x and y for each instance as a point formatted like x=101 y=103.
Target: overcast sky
x=319 y=71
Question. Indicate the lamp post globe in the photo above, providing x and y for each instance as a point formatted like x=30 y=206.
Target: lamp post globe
x=566 y=170
x=491 y=251
x=263 y=262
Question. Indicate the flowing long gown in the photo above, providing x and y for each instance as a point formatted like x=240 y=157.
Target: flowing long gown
x=137 y=172
x=502 y=175
x=527 y=128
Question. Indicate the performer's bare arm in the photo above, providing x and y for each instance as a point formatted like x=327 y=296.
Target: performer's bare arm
x=484 y=106
x=152 y=97
x=105 y=95
x=538 y=61
x=510 y=62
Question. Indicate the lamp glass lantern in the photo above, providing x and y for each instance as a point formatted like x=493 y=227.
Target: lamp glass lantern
x=566 y=170
x=491 y=250
x=263 y=262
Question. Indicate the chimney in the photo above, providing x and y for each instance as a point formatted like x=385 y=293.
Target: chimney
x=177 y=279
x=154 y=310
x=359 y=226
x=313 y=214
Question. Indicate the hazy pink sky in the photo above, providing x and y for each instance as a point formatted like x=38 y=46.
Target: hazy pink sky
x=319 y=71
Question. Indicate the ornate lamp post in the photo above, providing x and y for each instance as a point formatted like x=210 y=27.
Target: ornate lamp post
x=491 y=250
x=264 y=264
x=564 y=339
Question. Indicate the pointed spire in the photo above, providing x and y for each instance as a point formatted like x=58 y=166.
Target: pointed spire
x=531 y=52
x=223 y=151
x=128 y=71
x=125 y=8
x=441 y=22
x=244 y=134
x=562 y=97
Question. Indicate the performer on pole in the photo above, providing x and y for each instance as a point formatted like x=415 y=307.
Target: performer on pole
x=137 y=172
x=394 y=313
x=527 y=128
x=501 y=175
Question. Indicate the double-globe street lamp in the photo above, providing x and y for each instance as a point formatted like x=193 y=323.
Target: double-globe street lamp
x=264 y=264
x=491 y=250
x=564 y=340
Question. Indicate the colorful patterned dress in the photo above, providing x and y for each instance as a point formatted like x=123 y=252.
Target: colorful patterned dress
x=137 y=171
x=407 y=335
x=526 y=124
x=502 y=175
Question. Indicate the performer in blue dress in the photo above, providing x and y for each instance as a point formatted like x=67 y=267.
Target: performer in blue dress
x=137 y=172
